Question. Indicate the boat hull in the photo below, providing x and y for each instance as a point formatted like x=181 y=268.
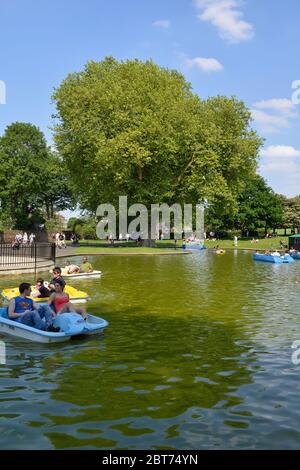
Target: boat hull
x=93 y=275
x=94 y=325
x=273 y=259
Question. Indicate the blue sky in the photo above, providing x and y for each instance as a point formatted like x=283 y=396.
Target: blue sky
x=247 y=48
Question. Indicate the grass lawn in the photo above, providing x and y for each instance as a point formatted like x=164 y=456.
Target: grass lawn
x=263 y=244
x=121 y=250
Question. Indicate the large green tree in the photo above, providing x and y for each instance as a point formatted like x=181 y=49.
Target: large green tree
x=135 y=129
x=291 y=212
x=32 y=178
x=258 y=207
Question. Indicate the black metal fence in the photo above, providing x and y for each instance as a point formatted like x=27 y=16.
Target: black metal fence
x=26 y=255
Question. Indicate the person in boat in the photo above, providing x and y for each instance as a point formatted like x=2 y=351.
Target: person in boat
x=85 y=266
x=275 y=253
x=71 y=268
x=56 y=276
x=23 y=310
x=40 y=291
x=60 y=301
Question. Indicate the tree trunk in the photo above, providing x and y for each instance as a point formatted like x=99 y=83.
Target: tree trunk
x=47 y=210
x=148 y=243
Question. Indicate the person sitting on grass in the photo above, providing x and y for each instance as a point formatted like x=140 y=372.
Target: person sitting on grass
x=22 y=309
x=40 y=291
x=71 y=268
x=85 y=266
x=61 y=302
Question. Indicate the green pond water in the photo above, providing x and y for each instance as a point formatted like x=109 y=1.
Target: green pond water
x=197 y=355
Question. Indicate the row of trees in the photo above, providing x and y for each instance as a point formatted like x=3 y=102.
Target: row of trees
x=34 y=181
x=259 y=209
x=133 y=128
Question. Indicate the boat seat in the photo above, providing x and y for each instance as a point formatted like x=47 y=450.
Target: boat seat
x=4 y=312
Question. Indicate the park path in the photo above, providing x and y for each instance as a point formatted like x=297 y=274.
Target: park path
x=63 y=252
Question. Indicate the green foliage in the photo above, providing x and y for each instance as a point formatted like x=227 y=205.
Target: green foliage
x=135 y=129
x=71 y=223
x=89 y=231
x=291 y=217
x=32 y=178
x=84 y=226
x=258 y=206
x=55 y=224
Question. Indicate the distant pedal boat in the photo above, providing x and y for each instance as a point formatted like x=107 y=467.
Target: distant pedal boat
x=273 y=259
x=92 y=275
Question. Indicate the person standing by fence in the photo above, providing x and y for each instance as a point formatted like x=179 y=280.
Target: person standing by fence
x=62 y=238
x=25 y=238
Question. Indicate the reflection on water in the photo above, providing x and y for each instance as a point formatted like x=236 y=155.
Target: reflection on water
x=197 y=355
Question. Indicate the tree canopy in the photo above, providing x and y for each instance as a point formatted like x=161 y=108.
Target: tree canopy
x=258 y=206
x=32 y=179
x=133 y=128
x=291 y=212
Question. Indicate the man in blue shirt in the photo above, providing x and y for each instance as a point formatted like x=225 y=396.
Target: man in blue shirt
x=23 y=310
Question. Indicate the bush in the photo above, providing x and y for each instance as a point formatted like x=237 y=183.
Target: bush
x=89 y=232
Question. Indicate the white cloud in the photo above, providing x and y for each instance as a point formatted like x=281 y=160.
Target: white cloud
x=280 y=151
x=2 y=92
x=282 y=105
x=226 y=16
x=280 y=113
x=268 y=122
x=165 y=24
x=205 y=64
x=281 y=167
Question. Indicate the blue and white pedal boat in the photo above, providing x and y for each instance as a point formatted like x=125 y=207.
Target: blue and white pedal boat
x=273 y=259
x=71 y=325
